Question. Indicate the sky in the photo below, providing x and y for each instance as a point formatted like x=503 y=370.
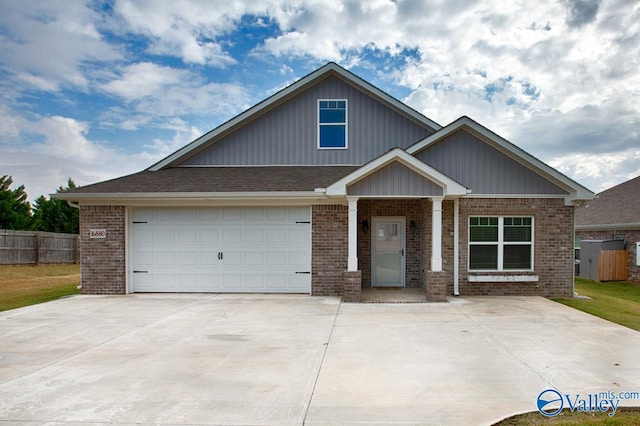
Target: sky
x=92 y=90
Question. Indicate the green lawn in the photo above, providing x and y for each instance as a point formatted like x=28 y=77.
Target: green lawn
x=623 y=417
x=27 y=285
x=617 y=302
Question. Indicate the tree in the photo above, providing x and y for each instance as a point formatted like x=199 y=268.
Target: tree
x=54 y=215
x=15 y=210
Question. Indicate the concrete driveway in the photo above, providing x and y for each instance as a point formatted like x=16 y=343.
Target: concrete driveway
x=257 y=359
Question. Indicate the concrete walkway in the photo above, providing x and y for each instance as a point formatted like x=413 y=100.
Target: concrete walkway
x=258 y=359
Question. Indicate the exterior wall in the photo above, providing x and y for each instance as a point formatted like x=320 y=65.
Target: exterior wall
x=330 y=249
x=395 y=180
x=413 y=210
x=553 y=246
x=482 y=168
x=287 y=135
x=631 y=236
x=103 y=259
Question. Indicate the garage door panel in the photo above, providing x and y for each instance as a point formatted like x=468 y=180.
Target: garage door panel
x=222 y=249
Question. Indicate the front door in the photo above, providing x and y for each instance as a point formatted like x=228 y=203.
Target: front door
x=387 y=252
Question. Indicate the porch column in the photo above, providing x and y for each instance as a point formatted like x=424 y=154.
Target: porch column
x=436 y=234
x=352 y=262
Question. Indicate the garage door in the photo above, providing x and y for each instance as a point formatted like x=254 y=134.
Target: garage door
x=247 y=249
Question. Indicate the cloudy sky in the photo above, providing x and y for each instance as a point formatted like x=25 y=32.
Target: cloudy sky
x=97 y=89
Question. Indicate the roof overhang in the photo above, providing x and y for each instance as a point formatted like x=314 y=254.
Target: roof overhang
x=576 y=191
x=609 y=227
x=450 y=188
x=197 y=198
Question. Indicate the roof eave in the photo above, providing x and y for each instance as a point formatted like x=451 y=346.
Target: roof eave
x=608 y=227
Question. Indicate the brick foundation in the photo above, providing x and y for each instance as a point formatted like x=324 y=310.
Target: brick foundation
x=103 y=259
x=436 y=286
x=352 y=286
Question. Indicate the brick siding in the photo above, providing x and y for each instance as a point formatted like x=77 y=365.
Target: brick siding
x=103 y=259
x=553 y=246
x=631 y=236
x=329 y=248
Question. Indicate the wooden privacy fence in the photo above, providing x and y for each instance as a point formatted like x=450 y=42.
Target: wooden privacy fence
x=612 y=265
x=35 y=248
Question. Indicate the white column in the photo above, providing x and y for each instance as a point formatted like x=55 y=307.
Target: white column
x=352 y=263
x=436 y=234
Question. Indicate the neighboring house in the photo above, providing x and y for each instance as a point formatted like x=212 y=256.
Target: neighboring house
x=614 y=214
x=327 y=187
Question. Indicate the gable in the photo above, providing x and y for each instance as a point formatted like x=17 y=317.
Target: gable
x=288 y=133
x=483 y=168
x=395 y=180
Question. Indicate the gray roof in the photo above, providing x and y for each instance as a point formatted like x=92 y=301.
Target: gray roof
x=217 y=179
x=615 y=206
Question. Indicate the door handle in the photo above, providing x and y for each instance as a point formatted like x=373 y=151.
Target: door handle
x=401 y=252
x=220 y=255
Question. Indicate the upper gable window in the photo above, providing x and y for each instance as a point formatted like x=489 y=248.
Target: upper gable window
x=332 y=124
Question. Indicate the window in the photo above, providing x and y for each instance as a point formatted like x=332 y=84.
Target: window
x=332 y=124
x=500 y=243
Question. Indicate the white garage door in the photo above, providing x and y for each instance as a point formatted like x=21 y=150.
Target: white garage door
x=245 y=249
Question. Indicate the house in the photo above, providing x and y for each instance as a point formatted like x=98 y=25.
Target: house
x=614 y=215
x=327 y=187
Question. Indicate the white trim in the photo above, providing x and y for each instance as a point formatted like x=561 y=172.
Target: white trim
x=500 y=243
x=449 y=186
x=352 y=259
x=436 y=234
x=502 y=278
x=576 y=191
x=285 y=94
x=346 y=125
x=456 y=247
x=128 y=260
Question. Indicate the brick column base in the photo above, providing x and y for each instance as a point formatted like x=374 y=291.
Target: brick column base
x=351 y=286
x=436 y=286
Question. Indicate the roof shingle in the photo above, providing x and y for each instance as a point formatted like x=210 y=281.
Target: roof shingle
x=220 y=179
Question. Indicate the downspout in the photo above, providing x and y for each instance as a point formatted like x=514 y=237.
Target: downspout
x=456 y=246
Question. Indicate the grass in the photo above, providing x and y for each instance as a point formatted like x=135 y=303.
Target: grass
x=623 y=417
x=617 y=302
x=27 y=285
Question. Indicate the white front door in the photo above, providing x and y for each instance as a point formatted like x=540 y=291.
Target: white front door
x=387 y=252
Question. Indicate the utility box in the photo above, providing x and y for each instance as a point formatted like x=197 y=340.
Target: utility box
x=590 y=251
x=638 y=254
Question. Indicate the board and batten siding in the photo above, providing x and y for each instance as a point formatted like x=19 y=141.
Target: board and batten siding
x=287 y=134
x=482 y=168
x=395 y=180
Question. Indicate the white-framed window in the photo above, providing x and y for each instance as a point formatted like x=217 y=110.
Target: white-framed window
x=500 y=243
x=332 y=124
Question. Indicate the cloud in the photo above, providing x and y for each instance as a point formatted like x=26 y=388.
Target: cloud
x=47 y=45
x=581 y=12
x=186 y=30
x=157 y=92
